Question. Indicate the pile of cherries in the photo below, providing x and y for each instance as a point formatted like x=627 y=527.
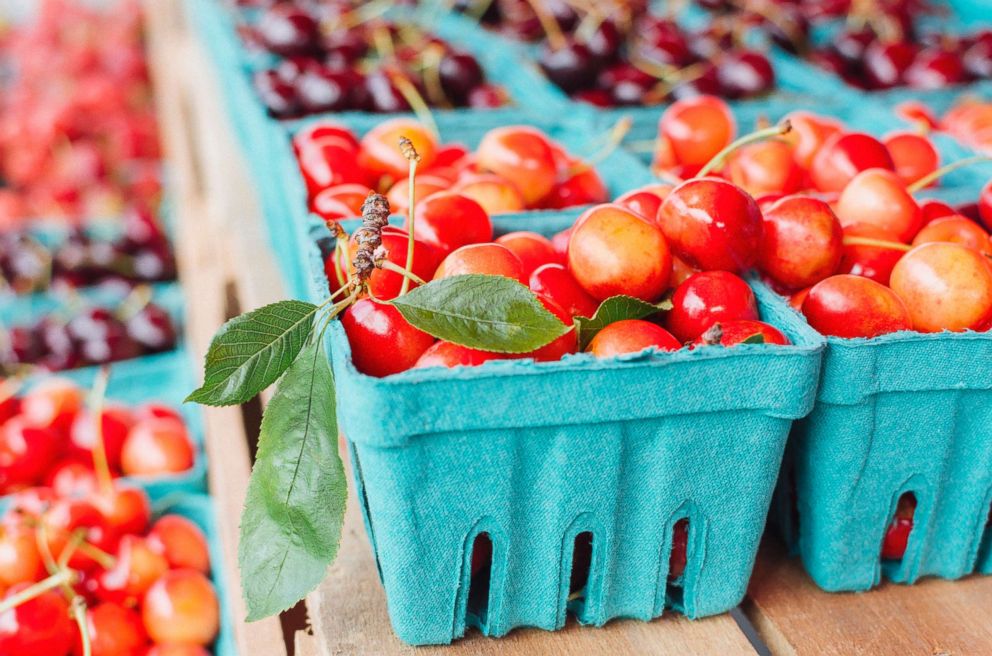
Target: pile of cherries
x=332 y=59
x=142 y=254
x=48 y=437
x=629 y=57
x=93 y=336
x=142 y=584
x=514 y=168
x=78 y=135
x=969 y=121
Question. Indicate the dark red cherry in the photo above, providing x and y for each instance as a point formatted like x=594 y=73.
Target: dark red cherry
x=935 y=68
x=287 y=30
x=570 y=67
x=323 y=90
x=886 y=63
x=278 y=96
x=152 y=328
x=745 y=74
x=460 y=73
x=851 y=45
x=383 y=95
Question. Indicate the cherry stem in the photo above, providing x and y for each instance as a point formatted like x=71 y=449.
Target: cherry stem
x=79 y=615
x=338 y=251
x=99 y=451
x=852 y=240
x=944 y=170
x=408 y=275
x=364 y=13
x=105 y=560
x=432 y=74
x=416 y=101
x=413 y=157
x=57 y=579
x=139 y=297
x=613 y=140
x=556 y=38
x=776 y=130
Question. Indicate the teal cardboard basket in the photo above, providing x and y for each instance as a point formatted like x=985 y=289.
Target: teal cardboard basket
x=535 y=454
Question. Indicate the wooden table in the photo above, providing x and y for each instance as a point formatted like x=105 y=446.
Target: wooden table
x=224 y=270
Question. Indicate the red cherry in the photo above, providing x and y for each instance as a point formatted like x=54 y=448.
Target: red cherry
x=691 y=132
x=560 y=243
x=447 y=221
x=449 y=155
x=708 y=297
x=932 y=209
x=156 y=411
x=612 y=251
x=385 y=285
x=802 y=242
x=764 y=168
x=113 y=631
x=318 y=130
x=494 y=194
x=331 y=163
x=382 y=342
x=492 y=259
x=885 y=63
x=852 y=306
x=446 y=354
x=873 y=262
x=181 y=542
x=645 y=202
x=136 y=567
x=878 y=197
x=424 y=186
x=9 y=407
x=680 y=545
x=712 y=224
x=955 y=229
x=808 y=135
x=532 y=249
x=985 y=205
x=157 y=446
x=380 y=152
x=52 y=403
x=26 y=453
x=65 y=516
x=631 y=336
x=177 y=650
x=125 y=509
x=20 y=561
x=182 y=607
x=843 y=156
x=555 y=282
x=935 y=68
x=342 y=201
x=41 y=626
x=32 y=502
x=72 y=479
x=739 y=331
x=897 y=535
x=115 y=424
x=914 y=155
x=584 y=186
x=567 y=343
x=521 y=155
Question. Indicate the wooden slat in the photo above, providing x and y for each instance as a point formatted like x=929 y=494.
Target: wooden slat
x=793 y=616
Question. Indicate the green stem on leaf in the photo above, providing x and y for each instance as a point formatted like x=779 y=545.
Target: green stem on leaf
x=776 y=130
x=933 y=176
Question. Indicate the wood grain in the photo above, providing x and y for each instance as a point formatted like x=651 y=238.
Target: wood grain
x=793 y=616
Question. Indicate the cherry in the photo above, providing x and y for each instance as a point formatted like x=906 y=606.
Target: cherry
x=885 y=64
x=487 y=96
x=380 y=153
x=278 y=95
x=852 y=306
x=708 y=297
x=945 y=286
x=25 y=453
x=157 y=446
x=532 y=249
x=583 y=187
x=934 y=68
x=113 y=631
x=32 y=502
x=843 y=156
x=914 y=155
x=125 y=509
x=383 y=95
x=424 y=186
x=765 y=168
x=878 y=197
x=934 y=209
x=977 y=58
x=315 y=132
x=20 y=561
x=52 y=403
x=958 y=230
x=493 y=259
x=522 y=156
x=567 y=343
x=181 y=542
x=646 y=201
x=115 y=424
x=446 y=354
x=571 y=66
x=384 y=284
x=331 y=162
x=382 y=342
x=802 y=242
x=177 y=650
x=680 y=546
x=897 y=534
x=631 y=336
x=181 y=607
x=151 y=328
x=745 y=74
x=985 y=205
x=65 y=516
x=494 y=194
x=323 y=90
x=874 y=262
x=447 y=221
x=287 y=30
x=459 y=73
x=730 y=333
x=136 y=567
x=36 y=627
x=691 y=132
x=614 y=251
x=712 y=224
x=555 y=282
x=72 y=479
x=340 y=202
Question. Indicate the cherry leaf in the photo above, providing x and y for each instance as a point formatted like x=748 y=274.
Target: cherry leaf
x=613 y=309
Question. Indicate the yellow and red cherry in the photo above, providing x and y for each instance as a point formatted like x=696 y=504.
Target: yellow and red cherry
x=157 y=446
x=125 y=509
x=845 y=155
x=380 y=153
x=20 y=561
x=613 y=251
x=532 y=249
x=584 y=186
x=693 y=131
x=136 y=567
x=181 y=607
x=424 y=186
x=52 y=403
x=491 y=259
x=867 y=260
x=878 y=197
x=116 y=423
x=706 y=298
x=446 y=354
x=913 y=154
x=730 y=333
x=945 y=286
x=494 y=194
x=385 y=284
x=319 y=130
x=932 y=209
x=330 y=163
x=42 y=625
x=646 y=201
x=808 y=134
x=631 y=336
x=955 y=229
x=555 y=282
x=712 y=224
x=802 y=242
x=767 y=167
x=113 y=629
x=26 y=452
x=382 y=341
x=447 y=221
x=521 y=155
x=340 y=201
x=851 y=306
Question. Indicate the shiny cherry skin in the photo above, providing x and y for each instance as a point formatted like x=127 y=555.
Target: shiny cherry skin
x=380 y=153
x=802 y=242
x=447 y=221
x=560 y=347
x=39 y=626
x=114 y=630
x=809 y=133
x=555 y=282
x=157 y=446
x=897 y=534
x=521 y=155
x=767 y=167
x=314 y=132
x=874 y=262
x=730 y=333
x=446 y=354
x=72 y=479
x=645 y=202
x=182 y=607
x=843 y=156
x=425 y=185
x=116 y=422
x=631 y=336
x=878 y=197
x=181 y=543
x=331 y=163
x=382 y=341
x=26 y=452
x=680 y=546
x=955 y=229
x=935 y=68
x=385 y=285
x=583 y=187
x=125 y=509
x=342 y=201
x=532 y=249
x=65 y=516
x=712 y=224
x=745 y=74
x=985 y=205
x=945 y=286
x=691 y=132
x=708 y=297
x=614 y=251
x=934 y=209
x=914 y=155
x=20 y=561
x=885 y=64
x=136 y=567
x=851 y=306
x=492 y=259
x=494 y=194
x=53 y=403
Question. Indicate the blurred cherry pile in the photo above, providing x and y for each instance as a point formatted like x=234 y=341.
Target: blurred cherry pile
x=617 y=54
x=78 y=135
x=969 y=120
x=340 y=56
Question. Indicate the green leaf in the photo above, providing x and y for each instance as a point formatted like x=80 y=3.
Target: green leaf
x=490 y=313
x=756 y=338
x=613 y=309
x=251 y=351
x=294 y=510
